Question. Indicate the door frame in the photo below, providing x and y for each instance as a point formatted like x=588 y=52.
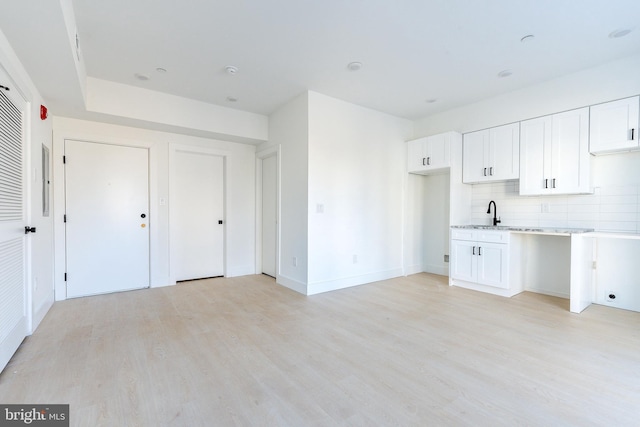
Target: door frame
x=59 y=204
x=174 y=148
x=260 y=156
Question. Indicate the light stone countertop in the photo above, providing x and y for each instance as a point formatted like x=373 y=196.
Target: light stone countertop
x=523 y=229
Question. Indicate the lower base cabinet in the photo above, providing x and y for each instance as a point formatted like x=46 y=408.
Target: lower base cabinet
x=480 y=260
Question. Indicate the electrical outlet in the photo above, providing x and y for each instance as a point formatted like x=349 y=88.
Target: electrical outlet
x=544 y=208
x=355 y=258
x=611 y=296
x=295 y=261
x=446 y=258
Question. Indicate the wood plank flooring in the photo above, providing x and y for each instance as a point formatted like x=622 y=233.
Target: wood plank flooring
x=410 y=351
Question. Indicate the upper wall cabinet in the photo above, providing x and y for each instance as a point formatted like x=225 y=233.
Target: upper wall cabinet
x=430 y=154
x=554 y=154
x=614 y=126
x=491 y=154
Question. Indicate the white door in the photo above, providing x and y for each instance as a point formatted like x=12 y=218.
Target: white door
x=463 y=260
x=269 y=212
x=492 y=264
x=535 y=143
x=474 y=153
x=13 y=216
x=614 y=125
x=504 y=152
x=570 y=158
x=107 y=218
x=196 y=217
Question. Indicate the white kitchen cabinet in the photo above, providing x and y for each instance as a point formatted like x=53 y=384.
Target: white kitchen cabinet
x=480 y=257
x=554 y=154
x=614 y=126
x=429 y=154
x=491 y=154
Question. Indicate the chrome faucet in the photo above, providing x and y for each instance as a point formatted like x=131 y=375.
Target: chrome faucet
x=496 y=221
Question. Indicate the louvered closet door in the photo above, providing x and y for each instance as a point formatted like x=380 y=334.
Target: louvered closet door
x=13 y=307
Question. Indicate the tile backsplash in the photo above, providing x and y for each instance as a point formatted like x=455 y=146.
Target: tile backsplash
x=610 y=208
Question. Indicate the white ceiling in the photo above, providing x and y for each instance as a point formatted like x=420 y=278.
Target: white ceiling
x=411 y=50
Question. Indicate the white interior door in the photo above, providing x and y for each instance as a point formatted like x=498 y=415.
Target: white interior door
x=269 y=212
x=196 y=217
x=107 y=218
x=13 y=216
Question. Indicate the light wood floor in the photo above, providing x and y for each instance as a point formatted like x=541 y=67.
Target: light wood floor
x=404 y=352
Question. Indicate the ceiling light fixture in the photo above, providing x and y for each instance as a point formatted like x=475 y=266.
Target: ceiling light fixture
x=354 y=66
x=231 y=69
x=619 y=33
x=232 y=99
x=161 y=70
x=527 y=38
x=505 y=73
x=141 y=77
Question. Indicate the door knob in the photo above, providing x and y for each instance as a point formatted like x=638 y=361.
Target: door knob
x=143 y=216
x=28 y=229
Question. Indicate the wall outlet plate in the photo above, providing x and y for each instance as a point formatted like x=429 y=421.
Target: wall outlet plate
x=446 y=258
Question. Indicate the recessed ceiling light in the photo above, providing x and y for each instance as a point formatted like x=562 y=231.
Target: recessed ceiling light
x=141 y=77
x=231 y=69
x=527 y=38
x=232 y=99
x=431 y=100
x=161 y=70
x=505 y=73
x=619 y=33
x=354 y=66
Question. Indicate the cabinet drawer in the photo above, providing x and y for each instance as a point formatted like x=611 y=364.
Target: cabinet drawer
x=463 y=234
x=492 y=236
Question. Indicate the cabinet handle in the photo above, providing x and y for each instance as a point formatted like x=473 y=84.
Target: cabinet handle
x=546 y=182
x=474 y=250
x=485 y=172
x=479 y=250
x=491 y=171
x=632 y=133
x=429 y=160
x=423 y=162
x=553 y=183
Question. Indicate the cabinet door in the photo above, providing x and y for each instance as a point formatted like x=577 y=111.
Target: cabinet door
x=416 y=155
x=504 y=152
x=493 y=264
x=614 y=126
x=535 y=149
x=437 y=150
x=570 y=158
x=473 y=156
x=463 y=260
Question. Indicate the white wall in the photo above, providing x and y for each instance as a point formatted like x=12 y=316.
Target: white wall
x=148 y=106
x=289 y=129
x=239 y=197
x=357 y=173
x=40 y=278
x=436 y=223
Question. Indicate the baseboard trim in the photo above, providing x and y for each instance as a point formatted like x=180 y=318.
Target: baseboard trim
x=242 y=270
x=42 y=311
x=347 y=282
x=292 y=284
x=550 y=293
x=442 y=270
x=413 y=269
